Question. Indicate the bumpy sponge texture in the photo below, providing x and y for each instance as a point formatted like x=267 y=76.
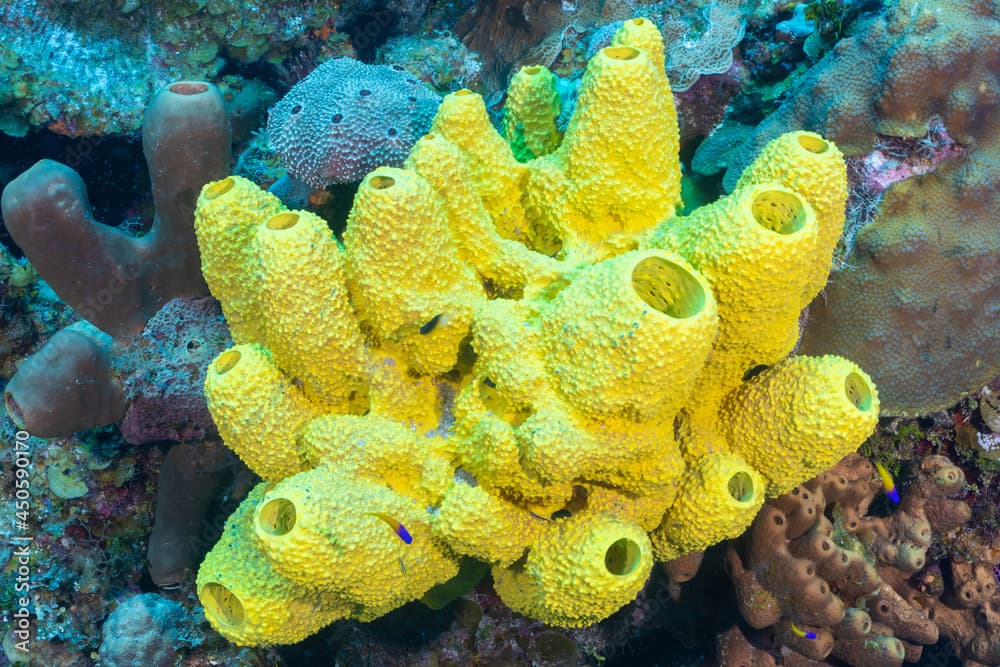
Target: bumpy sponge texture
x=258 y=406
x=248 y=601
x=311 y=526
x=529 y=121
x=800 y=160
x=719 y=496
x=533 y=364
x=590 y=190
x=792 y=415
x=580 y=571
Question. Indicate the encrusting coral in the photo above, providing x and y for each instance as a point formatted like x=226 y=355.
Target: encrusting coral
x=533 y=364
x=346 y=118
x=112 y=56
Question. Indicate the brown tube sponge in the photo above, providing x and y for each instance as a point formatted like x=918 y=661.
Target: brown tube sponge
x=67 y=386
x=190 y=479
x=115 y=281
x=907 y=621
x=735 y=650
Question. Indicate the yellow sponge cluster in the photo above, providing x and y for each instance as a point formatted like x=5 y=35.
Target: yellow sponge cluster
x=533 y=364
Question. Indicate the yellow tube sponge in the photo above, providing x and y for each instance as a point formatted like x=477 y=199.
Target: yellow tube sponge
x=642 y=34
x=351 y=538
x=382 y=450
x=646 y=463
x=259 y=412
x=615 y=174
x=796 y=419
x=508 y=339
x=226 y=218
x=558 y=446
x=495 y=172
x=397 y=393
x=717 y=499
x=529 y=118
x=474 y=523
x=246 y=601
x=406 y=276
x=580 y=571
x=813 y=167
x=489 y=450
x=533 y=364
x=310 y=326
x=511 y=266
x=759 y=299
x=604 y=334
x=644 y=510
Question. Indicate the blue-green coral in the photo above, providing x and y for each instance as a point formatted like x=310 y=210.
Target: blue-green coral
x=81 y=68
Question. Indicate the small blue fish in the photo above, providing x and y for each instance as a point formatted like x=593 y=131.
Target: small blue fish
x=440 y=319
x=396 y=526
x=430 y=324
x=802 y=633
x=890 y=486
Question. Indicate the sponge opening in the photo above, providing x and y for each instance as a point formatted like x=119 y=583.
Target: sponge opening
x=222 y=604
x=668 y=287
x=226 y=361
x=188 y=88
x=858 y=392
x=282 y=221
x=381 y=182
x=277 y=517
x=622 y=557
x=780 y=211
x=219 y=188
x=740 y=487
x=620 y=52
x=813 y=144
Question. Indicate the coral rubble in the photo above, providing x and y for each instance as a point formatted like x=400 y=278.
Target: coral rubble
x=88 y=68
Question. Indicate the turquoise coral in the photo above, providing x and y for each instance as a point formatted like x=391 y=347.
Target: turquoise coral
x=108 y=63
x=537 y=365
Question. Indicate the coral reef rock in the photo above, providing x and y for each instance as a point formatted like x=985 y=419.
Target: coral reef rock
x=926 y=342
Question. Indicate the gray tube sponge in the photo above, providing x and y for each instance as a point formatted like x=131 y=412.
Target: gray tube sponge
x=113 y=280
x=67 y=386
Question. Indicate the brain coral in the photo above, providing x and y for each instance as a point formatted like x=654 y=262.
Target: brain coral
x=347 y=118
x=436 y=388
x=917 y=303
